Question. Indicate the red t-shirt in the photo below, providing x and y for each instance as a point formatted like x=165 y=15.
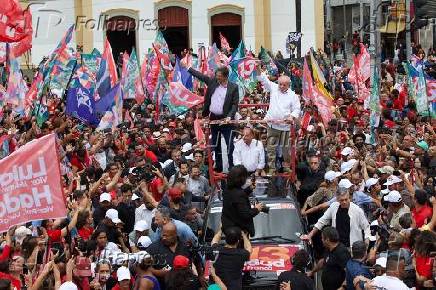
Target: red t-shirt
x=150 y=155
x=421 y=215
x=15 y=283
x=153 y=188
x=86 y=232
x=424 y=266
x=55 y=235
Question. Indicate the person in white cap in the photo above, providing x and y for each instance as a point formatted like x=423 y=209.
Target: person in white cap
x=105 y=202
x=347 y=153
x=124 y=278
x=396 y=208
x=112 y=225
x=68 y=285
x=141 y=228
x=348 y=218
x=325 y=192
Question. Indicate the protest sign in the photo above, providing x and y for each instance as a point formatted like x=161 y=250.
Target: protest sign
x=30 y=184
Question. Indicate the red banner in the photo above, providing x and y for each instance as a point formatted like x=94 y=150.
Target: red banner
x=14 y=23
x=271 y=258
x=181 y=96
x=30 y=184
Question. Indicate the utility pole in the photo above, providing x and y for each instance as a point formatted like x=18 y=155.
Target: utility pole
x=374 y=5
x=361 y=20
x=345 y=28
x=408 y=32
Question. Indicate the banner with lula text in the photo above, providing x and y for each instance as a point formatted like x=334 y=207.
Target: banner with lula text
x=30 y=184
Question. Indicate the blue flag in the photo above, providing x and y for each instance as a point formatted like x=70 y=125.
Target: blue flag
x=81 y=104
x=182 y=75
x=106 y=102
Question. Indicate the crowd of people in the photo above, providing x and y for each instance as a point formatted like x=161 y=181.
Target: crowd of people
x=136 y=196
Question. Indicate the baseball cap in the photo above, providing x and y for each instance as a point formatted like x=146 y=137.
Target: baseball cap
x=393 y=196
x=166 y=130
x=331 y=175
x=346 y=166
x=186 y=147
x=21 y=233
x=105 y=197
x=392 y=180
x=370 y=182
x=141 y=225
x=174 y=192
x=345 y=183
x=347 y=151
x=423 y=145
x=156 y=135
x=381 y=262
x=135 y=196
x=387 y=170
x=123 y=273
x=373 y=238
x=143 y=242
x=180 y=262
x=112 y=214
x=68 y=286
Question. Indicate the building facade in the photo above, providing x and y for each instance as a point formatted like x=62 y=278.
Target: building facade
x=184 y=23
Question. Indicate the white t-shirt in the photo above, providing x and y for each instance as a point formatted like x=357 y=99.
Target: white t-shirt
x=390 y=283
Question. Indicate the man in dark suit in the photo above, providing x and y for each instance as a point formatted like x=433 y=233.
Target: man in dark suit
x=220 y=103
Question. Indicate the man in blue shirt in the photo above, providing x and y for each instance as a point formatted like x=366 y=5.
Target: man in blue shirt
x=184 y=232
x=356 y=267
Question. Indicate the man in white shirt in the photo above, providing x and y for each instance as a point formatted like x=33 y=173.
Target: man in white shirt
x=284 y=105
x=390 y=280
x=249 y=152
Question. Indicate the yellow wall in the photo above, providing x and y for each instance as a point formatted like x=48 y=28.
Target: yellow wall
x=84 y=36
x=319 y=23
x=262 y=24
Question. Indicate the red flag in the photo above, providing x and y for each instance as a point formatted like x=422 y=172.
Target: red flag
x=246 y=67
x=164 y=59
x=30 y=182
x=324 y=105
x=307 y=83
x=32 y=93
x=199 y=134
x=181 y=96
x=108 y=56
x=224 y=43
x=14 y=24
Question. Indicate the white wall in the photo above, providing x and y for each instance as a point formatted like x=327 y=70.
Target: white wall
x=201 y=26
x=283 y=21
x=145 y=10
x=308 y=38
x=47 y=31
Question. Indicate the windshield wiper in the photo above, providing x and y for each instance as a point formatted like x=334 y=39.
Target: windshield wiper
x=267 y=238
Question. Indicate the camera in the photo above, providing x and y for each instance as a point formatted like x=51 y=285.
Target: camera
x=145 y=172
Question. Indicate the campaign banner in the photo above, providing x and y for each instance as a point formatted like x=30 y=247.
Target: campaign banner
x=30 y=184
x=271 y=258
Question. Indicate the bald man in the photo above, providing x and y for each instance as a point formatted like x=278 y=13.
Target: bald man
x=284 y=105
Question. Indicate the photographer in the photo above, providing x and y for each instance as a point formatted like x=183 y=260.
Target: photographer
x=231 y=258
x=237 y=209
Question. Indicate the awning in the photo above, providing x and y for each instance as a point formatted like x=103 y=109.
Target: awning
x=393 y=27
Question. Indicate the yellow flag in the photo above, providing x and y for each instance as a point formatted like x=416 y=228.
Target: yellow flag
x=318 y=77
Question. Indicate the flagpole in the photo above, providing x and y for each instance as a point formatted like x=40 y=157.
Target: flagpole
x=71 y=77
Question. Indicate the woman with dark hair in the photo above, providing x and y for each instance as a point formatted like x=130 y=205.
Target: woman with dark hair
x=425 y=244
x=145 y=279
x=181 y=277
x=237 y=209
x=84 y=224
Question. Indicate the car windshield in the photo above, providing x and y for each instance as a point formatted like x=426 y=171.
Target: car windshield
x=282 y=224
